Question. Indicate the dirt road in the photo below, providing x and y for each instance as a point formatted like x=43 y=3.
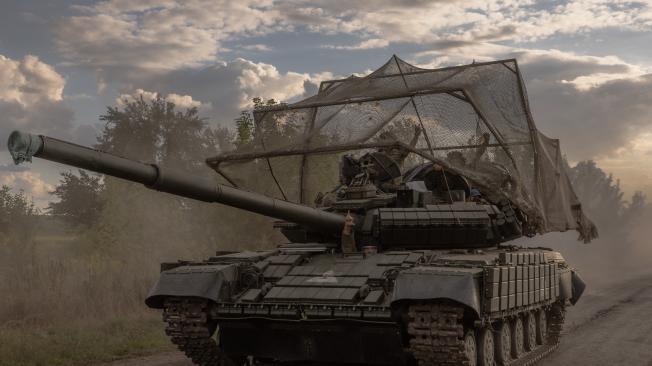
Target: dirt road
x=607 y=332
x=611 y=325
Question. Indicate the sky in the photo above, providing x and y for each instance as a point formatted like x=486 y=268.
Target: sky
x=587 y=64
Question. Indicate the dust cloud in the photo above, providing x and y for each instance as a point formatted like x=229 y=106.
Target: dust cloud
x=620 y=253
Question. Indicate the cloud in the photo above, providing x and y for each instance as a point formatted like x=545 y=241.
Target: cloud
x=471 y=20
x=29 y=81
x=580 y=71
x=79 y=96
x=180 y=101
x=31 y=98
x=123 y=99
x=185 y=101
x=159 y=35
x=31 y=183
x=260 y=79
x=230 y=86
x=156 y=35
x=256 y=47
x=596 y=105
x=364 y=45
x=596 y=122
x=120 y=40
x=173 y=48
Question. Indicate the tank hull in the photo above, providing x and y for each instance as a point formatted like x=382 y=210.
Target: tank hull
x=294 y=305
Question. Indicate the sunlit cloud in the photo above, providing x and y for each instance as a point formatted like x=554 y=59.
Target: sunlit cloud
x=31 y=183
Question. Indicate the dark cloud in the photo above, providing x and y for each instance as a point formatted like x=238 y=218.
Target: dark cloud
x=54 y=119
x=226 y=87
x=556 y=66
x=217 y=84
x=311 y=88
x=442 y=45
x=590 y=123
x=571 y=96
x=496 y=33
x=49 y=118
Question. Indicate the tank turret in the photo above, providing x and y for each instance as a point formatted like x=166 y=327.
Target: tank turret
x=389 y=210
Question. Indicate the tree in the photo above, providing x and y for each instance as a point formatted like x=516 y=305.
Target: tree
x=244 y=125
x=223 y=138
x=17 y=217
x=144 y=222
x=80 y=200
x=635 y=207
x=156 y=131
x=602 y=198
x=600 y=195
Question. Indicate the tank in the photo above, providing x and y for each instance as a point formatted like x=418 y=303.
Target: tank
x=402 y=262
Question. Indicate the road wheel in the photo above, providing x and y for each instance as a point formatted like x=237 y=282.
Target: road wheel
x=542 y=326
x=503 y=338
x=517 y=338
x=530 y=331
x=470 y=348
x=486 y=347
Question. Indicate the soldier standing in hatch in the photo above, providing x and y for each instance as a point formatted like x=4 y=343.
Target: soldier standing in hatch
x=348 y=235
x=399 y=153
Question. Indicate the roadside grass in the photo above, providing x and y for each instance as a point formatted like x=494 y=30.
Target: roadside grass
x=73 y=296
x=85 y=343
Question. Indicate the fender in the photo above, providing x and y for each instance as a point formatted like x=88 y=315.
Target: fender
x=578 y=286
x=565 y=284
x=206 y=281
x=429 y=283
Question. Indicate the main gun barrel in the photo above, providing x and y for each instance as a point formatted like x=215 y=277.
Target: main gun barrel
x=23 y=146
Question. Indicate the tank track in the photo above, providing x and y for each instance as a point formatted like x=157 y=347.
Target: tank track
x=557 y=316
x=436 y=329
x=437 y=335
x=191 y=331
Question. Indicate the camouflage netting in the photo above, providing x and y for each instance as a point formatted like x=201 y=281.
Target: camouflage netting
x=475 y=121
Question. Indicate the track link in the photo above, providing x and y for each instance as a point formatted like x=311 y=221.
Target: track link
x=557 y=315
x=437 y=336
x=191 y=331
